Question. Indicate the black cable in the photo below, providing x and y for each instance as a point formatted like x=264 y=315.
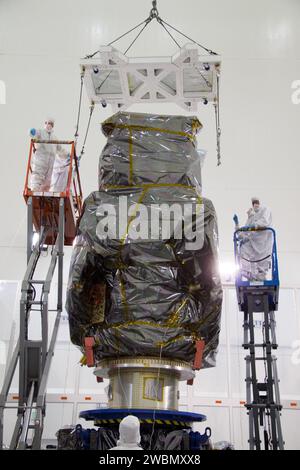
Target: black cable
x=90 y=56
x=102 y=83
x=187 y=37
x=218 y=98
x=256 y=260
x=87 y=131
x=131 y=44
x=216 y=106
x=125 y=34
x=33 y=291
x=207 y=82
x=218 y=128
x=79 y=105
x=172 y=37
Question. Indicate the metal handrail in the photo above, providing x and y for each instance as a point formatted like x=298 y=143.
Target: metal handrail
x=73 y=187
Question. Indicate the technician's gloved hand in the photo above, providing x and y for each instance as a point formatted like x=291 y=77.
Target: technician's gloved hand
x=236 y=219
x=32 y=132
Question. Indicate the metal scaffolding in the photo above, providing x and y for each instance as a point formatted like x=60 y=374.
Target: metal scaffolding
x=258 y=298
x=52 y=217
x=34 y=356
x=262 y=392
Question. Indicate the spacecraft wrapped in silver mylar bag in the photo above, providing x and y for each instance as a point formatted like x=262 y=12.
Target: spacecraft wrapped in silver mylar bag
x=144 y=289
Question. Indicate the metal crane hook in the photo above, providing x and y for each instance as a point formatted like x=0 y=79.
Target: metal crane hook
x=154 y=10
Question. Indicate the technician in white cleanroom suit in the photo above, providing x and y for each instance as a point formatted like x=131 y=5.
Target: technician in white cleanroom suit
x=60 y=172
x=129 y=431
x=256 y=246
x=43 y=159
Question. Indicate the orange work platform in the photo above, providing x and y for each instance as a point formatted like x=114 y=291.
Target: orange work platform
x=45 y=204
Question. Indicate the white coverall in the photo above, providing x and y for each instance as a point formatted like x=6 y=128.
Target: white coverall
x=60 y=172
x=257 y=245
x=129 y=431
x=42 y=161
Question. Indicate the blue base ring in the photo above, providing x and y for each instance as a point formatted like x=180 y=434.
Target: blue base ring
x=113 y=416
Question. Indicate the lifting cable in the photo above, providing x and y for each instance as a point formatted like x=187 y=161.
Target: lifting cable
x=217 y=114
x=131 y=44
x=92 y=107
x=161 y=22
x=267 y=424
x=190 y=39
x=127 y=32
x=79 y=105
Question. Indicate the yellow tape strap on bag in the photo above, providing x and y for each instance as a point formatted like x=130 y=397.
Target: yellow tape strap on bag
x=83 y=361
x=151 y=185
x=173 y=319
x=119 y=326
x=136 y=127
x=162 y=344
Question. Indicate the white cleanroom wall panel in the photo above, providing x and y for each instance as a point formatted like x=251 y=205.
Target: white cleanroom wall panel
x=218 y=419
x=9 y=294
x=287 y=322
x=240 y=425
x=223 y=326
x=287 y=332
x=57 y=416
x=64 y=367
x=290 y=428
x=88 y=383
x=238 y=373
x=3 y=357
x=63 y=330
x=289 y=375
x=8 y=306
x=235 y=319
x=10 y=417
x=214 y=380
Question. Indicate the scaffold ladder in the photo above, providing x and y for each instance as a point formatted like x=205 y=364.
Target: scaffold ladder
x=34 y=356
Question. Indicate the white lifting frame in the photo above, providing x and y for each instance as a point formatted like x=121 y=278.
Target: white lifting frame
x=186 y=79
